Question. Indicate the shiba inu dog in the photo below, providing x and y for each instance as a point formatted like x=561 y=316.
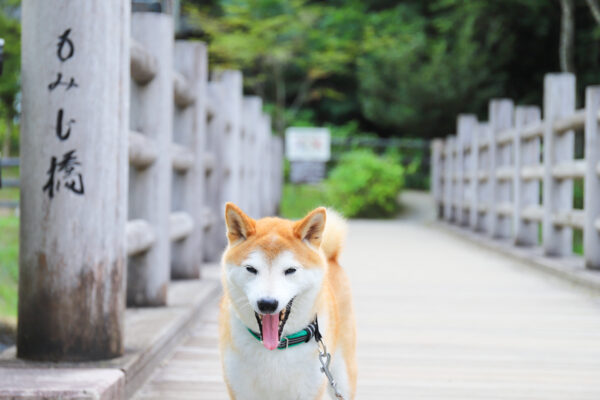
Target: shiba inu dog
x=283 y=287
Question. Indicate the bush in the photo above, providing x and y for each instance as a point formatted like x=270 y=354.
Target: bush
x=9 y=268
x=365 y=185
x=297 y=200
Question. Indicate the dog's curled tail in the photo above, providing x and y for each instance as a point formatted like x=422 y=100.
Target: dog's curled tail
x=334 y=234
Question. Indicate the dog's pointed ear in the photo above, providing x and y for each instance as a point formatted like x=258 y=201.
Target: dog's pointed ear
x=239 y=225
x=311 y=227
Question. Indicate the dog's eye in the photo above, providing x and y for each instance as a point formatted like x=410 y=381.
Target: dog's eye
x=252 y=270
x=290 y=271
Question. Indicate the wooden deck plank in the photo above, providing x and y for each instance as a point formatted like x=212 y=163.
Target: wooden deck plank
x=438 y=318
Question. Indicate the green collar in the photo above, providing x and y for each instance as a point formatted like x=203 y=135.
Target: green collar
x=303 y=336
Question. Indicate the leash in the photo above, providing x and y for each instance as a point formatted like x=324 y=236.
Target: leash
x=325 y=360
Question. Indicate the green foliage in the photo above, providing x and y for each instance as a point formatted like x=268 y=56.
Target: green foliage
x=361 y=185
x=397 y=68
x=10 y=31
x=10 y=80
x=10 y=194
x=298 y=200
x=9 y=266
x=283 y=46
x=365 y=185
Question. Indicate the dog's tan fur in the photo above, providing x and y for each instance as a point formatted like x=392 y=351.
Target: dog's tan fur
x=315 y=242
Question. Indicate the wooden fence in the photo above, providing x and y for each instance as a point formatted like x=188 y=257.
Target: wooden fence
x=128 y=153
x=512 y=177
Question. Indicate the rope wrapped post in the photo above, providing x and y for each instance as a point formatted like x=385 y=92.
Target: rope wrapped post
x=559 y=101
x=189 y=133
x=150 y=187
x=73 y=179
x=591 y=232
x=526 y=191
x=501 y=119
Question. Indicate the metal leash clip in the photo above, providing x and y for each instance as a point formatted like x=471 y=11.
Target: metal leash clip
x=325 y=359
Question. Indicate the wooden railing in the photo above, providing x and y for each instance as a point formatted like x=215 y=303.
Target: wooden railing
x=512 y=177
x=127 y=159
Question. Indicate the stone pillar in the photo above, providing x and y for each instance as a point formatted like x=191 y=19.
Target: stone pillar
x=449 y=172
x=190 y=132
x=232 y=87
x=501 y=118
x=465 y=128
x=150 y=188
x=526 y=192
x=591 y=233
x=75 y=75
x=252 y=109
x=214 y=234
x=559 y=101
x=277 y=182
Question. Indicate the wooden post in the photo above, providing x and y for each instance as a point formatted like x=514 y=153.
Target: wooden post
x=150 y=188
x=501 y=119
x=189 y=132
x=591 y=232
x=449 y=164
x=465 y=126
x=559 y=101
x=526 y=192
x=73 y=179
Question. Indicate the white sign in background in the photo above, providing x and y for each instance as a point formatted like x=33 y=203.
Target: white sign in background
x=307 y=144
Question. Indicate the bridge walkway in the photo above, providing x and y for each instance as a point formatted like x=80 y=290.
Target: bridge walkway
x=438 y=318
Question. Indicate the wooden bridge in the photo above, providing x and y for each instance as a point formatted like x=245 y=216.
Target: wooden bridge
x=438 y=318
x=130 y=147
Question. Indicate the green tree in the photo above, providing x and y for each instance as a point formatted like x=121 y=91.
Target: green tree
x=397 y=68
x=10 y=31
x=420 y=68
x=286 y=48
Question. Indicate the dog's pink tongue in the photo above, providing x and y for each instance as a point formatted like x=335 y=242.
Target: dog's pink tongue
x=270 y=331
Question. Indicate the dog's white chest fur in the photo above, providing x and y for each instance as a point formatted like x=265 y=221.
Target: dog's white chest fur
x=254 y=373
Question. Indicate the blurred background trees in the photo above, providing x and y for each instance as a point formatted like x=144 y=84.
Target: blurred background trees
x=370 y=69
x=392 y=68
x=397 y=68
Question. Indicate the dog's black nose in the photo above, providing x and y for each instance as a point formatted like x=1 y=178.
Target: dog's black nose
x=267 y=305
